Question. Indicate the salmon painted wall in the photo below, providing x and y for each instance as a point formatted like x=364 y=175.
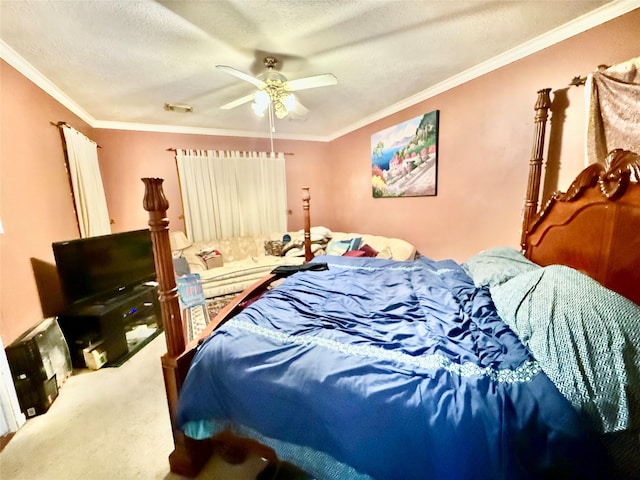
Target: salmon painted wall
x=36 y=207
x=486 y=135
x=486 y=129
x=127 y=156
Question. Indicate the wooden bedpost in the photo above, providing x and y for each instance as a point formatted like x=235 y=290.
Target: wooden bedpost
x=156 y=204
x=189 y=456
x=541 y=107
x=306 y=198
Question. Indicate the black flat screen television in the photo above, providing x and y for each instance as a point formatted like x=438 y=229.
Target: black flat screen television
x=101 y=267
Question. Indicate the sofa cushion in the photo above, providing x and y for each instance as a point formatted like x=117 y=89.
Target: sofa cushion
x=236 y=276
x=232 y=249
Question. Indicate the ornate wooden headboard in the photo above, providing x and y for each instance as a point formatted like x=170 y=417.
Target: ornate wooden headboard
x=595 y=226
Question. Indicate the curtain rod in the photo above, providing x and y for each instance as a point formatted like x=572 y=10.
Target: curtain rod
x=173 y=149
x=65 y=124
x=579 y=81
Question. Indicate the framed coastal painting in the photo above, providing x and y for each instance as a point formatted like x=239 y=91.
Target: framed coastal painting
x=404 y=158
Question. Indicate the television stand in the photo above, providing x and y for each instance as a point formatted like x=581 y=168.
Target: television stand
x=114 y=327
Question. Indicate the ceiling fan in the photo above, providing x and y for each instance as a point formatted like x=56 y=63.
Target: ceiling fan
x=275 y=92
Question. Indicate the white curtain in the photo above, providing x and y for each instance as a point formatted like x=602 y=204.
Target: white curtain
x=613 y=110
x=229 y=193
x=86 y=181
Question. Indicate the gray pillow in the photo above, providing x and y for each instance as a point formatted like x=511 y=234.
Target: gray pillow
x=497 y=265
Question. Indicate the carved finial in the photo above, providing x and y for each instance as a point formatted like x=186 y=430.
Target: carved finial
x=154 y=199
x=621 y=165
x=544 y=100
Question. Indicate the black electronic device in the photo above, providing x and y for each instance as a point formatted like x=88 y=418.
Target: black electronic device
x=40 y=363
x=112 y=299
x=105 y=332
x=101 y=267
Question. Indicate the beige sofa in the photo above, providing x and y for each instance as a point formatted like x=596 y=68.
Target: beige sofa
x=245 y=261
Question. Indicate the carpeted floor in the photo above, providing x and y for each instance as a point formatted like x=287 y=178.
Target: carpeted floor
x=113 y=423
x=108 y=424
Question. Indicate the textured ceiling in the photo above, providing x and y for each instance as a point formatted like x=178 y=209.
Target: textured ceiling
x=116 y=63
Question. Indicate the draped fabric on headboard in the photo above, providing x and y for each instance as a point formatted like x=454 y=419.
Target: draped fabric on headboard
x=613 y=110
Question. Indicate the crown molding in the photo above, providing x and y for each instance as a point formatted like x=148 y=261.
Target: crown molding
x=10 y=56
x=568 y=30
x=148 y=127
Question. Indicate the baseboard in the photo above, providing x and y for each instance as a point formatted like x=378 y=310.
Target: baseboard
x=5 y=439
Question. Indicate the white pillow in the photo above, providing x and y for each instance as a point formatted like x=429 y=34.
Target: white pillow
x=316 y=234
x=321 y=232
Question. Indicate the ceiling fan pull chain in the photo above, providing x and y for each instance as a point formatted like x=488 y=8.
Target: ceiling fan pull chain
x=272 y=127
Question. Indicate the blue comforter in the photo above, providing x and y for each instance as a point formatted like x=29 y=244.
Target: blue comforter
x=388 y=370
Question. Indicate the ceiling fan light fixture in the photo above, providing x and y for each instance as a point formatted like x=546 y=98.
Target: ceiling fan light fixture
x=282 y=101
x=261 y=103
x=289 y=102
x=280 y=109
x=274 y=92
x=258 y=110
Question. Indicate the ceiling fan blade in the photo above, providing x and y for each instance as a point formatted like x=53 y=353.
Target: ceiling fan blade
x=300 y=110
x=238 y=101
x=241 y=75
x=322 y=80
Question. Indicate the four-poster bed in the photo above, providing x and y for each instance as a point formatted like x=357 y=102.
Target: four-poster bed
x=592 y=228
